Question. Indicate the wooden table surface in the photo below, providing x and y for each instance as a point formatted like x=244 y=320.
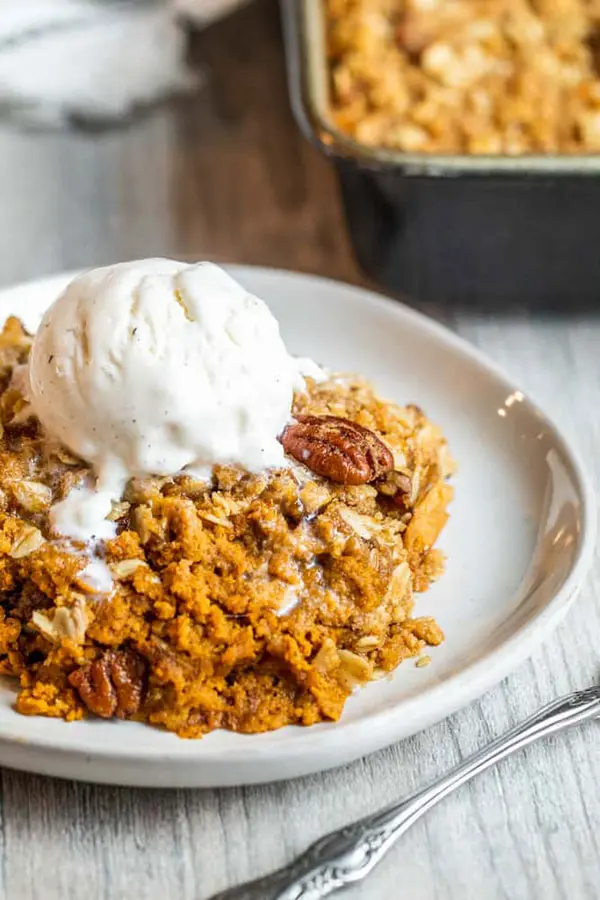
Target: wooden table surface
x=226 y=175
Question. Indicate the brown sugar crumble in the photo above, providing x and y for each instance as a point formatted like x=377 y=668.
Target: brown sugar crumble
x=248 y=603
x=467 y=76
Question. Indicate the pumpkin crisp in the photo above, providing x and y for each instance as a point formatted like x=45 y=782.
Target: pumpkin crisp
x=478 y=77
x=248 y=603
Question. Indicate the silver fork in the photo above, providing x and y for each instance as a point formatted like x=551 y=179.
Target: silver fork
x=345 y=857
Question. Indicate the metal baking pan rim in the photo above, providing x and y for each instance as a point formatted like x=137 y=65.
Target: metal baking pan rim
x=309 y=87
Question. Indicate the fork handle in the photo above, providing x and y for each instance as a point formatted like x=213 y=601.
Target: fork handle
x=347 y=856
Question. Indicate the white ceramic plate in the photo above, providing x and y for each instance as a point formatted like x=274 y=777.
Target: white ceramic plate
x=518 y=543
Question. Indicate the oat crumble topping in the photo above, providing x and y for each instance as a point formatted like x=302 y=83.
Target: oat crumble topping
x=467 y=76
x=250 y=603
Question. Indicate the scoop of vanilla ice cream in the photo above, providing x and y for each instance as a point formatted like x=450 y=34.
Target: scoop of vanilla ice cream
x=155 y=367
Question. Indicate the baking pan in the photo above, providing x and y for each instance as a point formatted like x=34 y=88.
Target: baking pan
x=494 y=231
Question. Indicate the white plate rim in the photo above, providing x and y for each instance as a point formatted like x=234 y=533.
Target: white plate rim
x=435 y=702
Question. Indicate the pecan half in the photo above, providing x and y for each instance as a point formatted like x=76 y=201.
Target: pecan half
x=112 y=685
x=337 y=449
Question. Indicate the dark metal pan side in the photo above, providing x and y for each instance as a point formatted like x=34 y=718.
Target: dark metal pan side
x=453 y=229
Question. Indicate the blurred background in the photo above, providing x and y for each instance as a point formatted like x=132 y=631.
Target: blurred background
x=221 y=173
x=463 y=140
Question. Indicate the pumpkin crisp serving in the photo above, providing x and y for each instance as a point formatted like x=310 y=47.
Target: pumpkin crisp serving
x=232 y=592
